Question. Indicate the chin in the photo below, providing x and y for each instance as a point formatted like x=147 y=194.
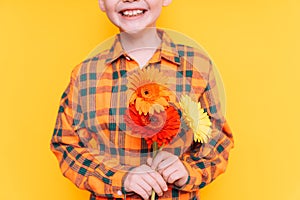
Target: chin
x=136 y=29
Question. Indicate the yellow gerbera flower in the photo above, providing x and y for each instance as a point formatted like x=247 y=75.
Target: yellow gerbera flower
x=196 y=118
x=147 y=89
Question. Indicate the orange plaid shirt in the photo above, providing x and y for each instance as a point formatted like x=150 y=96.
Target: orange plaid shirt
x=90 y=139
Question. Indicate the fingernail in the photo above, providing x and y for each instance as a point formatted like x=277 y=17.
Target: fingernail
x=165 y=189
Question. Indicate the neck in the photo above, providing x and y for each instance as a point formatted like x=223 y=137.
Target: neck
x=147 y=38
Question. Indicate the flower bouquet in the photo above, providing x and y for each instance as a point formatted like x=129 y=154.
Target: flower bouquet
x=153 y=115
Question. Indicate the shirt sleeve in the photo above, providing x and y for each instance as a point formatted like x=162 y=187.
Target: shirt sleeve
x=204 y=162
x=76 y=162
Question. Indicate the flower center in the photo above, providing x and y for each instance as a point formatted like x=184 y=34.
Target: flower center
x=149 y=92
x=153 y=119
x=157 y=121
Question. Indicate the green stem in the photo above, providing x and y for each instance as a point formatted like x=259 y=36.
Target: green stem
x=154 y=147
x=153 y=195
x=155 y=151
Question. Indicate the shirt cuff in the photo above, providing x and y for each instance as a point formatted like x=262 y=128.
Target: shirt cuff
x=192 y=180
x=117 y=183
x=109 y=186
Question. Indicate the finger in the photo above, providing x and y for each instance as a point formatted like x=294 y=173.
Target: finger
x=160 y=183
x=154 y=179
x=167 y=173
x=173 y=177
x=159 y=158
x=140 y=191
x=153 y=183
x=145 y=185
x=167 y=162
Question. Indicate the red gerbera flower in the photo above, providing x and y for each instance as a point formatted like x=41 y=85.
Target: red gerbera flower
x=157 y=127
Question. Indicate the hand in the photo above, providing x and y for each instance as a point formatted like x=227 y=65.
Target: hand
x=142 y=180
x=170 y=168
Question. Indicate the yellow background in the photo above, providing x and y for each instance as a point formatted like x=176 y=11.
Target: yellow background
x=255 y=45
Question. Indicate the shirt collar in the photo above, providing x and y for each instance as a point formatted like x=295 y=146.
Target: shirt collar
x=166 y=50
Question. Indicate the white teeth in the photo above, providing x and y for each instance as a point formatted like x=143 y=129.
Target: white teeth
x=131 y=13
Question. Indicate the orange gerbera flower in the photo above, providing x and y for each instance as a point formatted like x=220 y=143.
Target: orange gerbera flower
x=157 y=127
x=147 y=89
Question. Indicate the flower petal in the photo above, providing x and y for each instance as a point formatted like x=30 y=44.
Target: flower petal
x=196 y=119
x=162 y=130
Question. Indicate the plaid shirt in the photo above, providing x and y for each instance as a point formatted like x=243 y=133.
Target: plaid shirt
x=91 y=140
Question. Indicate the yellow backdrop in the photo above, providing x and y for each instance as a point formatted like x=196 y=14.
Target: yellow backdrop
x=255 y=45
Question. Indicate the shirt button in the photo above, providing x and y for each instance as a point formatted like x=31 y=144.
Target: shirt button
x=120 y=192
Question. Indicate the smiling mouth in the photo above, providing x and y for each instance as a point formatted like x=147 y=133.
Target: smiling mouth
x=132 y=13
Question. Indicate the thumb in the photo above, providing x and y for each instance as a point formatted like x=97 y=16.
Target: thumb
x=149 y=161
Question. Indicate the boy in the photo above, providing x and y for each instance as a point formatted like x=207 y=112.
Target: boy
x=94 y=147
